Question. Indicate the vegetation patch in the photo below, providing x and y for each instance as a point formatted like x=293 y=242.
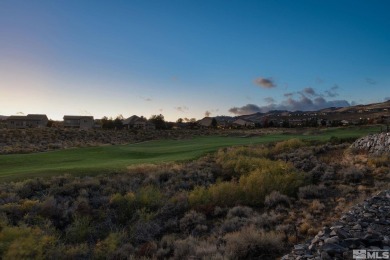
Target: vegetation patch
x=252 y=201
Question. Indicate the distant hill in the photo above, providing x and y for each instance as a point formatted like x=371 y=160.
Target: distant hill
x=369 y=111
x=3 y=117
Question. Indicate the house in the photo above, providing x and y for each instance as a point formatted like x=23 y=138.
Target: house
x=136 y=122
x=243 y=123
x=29 y=121
x=295 y=122
x=82 y=122
x=206 y=122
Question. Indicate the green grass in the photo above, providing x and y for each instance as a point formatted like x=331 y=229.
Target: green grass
x=102 y=159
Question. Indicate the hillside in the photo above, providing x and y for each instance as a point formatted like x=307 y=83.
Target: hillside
x=247 y=202
x=355 y=114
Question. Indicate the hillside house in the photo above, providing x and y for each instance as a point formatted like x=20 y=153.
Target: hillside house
x=206 y=122
x=29 y=121
x=243 y=123
x=82 y=122
x=136 y=122
x=295 y=122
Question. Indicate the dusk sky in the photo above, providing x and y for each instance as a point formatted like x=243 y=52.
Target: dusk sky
x=190 y=58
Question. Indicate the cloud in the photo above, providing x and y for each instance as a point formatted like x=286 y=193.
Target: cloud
x=309 y=91
x=182 y=109
x=207 y=113
x=245 y=110
x=146 y=99
x=371 y=81
x=303 y=103
x=319 y=80
x=265 y=82
x=269 y=100
x=288 y=94
x=332 y=92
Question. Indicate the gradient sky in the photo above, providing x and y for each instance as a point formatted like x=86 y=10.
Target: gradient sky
x=186 y=58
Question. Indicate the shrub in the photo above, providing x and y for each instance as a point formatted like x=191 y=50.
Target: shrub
x=313 y=192
x=207 y=250
x=240 y=211
x=236 y=161
x=382 y=161
x=252 y=188
x=316 y=207
x=353 y=175
x=79 y=230
x=267 y=221
x=125 y=206
x=24 y=243
x=250 y=243
x=226 y=194
x=149 y=197
x=276 y=199
x=185 y=248
x=199 y=196
x=192 y=221
x=233 y=224
x=105 y=249
x=259 y=184
x=145 y=231
x=166 y=247
x=287 y=145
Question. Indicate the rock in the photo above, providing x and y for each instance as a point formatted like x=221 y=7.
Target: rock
x=357 y=227
x=332 y=240
x=354 y=230
x=325 y=256
x=333 y=249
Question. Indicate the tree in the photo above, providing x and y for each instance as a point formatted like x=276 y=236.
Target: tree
x=118 y=122
x=107 y=123
x=214 y=123
x=180 y=120
x=158 y=121
x=192 y=123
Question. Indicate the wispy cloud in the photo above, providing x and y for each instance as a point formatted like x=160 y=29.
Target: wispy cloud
x=269 y=100
x=146 y=99
x=265 y=82
x=371 y=81
x=319 y=80
x=309 y=91
x=332 y=92
x=182 y=109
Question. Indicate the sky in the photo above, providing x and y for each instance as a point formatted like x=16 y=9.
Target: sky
x=188 y=59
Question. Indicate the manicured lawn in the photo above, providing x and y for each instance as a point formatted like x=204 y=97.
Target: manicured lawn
x=95 y=160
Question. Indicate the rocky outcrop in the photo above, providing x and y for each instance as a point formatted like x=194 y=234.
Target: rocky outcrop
x=365 y=226
x=375 y=144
